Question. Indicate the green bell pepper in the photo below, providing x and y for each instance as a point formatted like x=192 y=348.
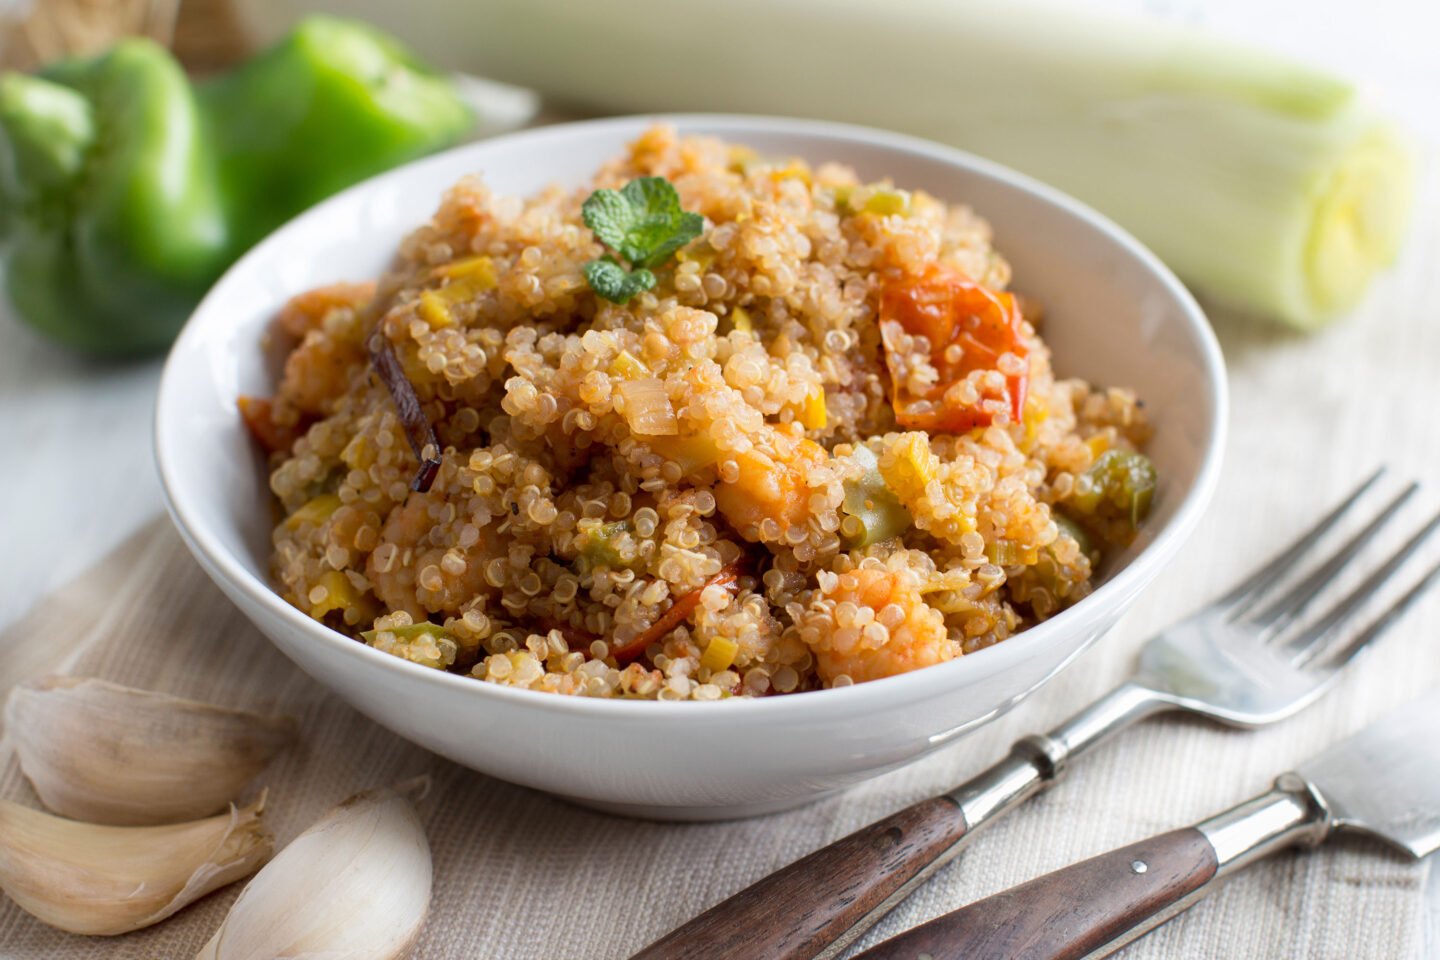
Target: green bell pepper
x=125 y=192
x=333 y=103
x=116 y=226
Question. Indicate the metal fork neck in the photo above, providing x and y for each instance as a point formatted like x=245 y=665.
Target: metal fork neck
x=1118 y=709
x=1035 y=762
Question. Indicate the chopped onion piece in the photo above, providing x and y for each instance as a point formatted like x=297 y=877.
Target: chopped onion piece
x=647 y=407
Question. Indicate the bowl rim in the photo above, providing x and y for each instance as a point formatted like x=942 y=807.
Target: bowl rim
x=916 y=685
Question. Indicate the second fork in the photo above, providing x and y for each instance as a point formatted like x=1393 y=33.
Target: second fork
x=1230 y=661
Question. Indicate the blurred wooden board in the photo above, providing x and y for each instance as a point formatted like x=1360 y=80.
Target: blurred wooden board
x=52 y=29
x=204 y=34
x=208 y=36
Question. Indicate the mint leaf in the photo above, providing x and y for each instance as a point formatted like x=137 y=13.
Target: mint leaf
x=613 y=282
x=609 y=215
x=659 y=226
x=607 y=278
x=643 y=222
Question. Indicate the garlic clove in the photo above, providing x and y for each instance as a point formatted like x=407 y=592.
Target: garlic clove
x=103 y=880
x=103 y=753
x=355 y=885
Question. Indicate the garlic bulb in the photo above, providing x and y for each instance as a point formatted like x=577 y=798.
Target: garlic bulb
x=103 y=880
x=356 y=885
x=104 y=753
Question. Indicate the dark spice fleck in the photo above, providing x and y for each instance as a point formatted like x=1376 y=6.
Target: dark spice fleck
x=418 y=429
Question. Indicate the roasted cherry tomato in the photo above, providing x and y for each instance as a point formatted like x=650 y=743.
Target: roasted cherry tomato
x=969 y=327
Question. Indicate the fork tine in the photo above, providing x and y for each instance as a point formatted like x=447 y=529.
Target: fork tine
x=1311 y=640
x=1293 y=602
x=1383 y=622
x=1244 y=595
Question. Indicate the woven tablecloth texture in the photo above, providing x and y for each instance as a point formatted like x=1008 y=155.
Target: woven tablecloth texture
x=520 y=875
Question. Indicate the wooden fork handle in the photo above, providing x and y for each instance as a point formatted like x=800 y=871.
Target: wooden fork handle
x=809 y=906
x=1073 y=912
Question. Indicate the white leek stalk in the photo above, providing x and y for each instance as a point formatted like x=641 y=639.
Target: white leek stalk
x=1267 y=184
x=356 y=885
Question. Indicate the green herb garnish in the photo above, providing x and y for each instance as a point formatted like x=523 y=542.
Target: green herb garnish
x=614 y=282
x=644 y=224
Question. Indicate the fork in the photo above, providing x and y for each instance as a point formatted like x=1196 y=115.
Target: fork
x=1236 y=660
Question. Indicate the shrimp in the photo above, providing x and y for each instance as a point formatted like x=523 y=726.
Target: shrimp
x=318 y=368
x=409 y=572
x=873 y=622
x=318 y=371
x=273 y=434
x=307 y=311
x=768 y=494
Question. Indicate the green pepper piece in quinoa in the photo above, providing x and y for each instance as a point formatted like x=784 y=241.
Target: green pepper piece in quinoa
x=410 y=632
x=599 y=547
x=1120 y=481
x=878 y=513
x=1077 y=533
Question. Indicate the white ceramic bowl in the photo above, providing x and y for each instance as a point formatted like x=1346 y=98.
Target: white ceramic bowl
x=1114 y=315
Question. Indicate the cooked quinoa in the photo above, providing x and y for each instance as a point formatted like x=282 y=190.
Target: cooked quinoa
x=789 y=465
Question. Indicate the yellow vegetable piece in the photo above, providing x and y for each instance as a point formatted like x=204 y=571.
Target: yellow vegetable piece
x=794 y=170
x=741 y=158
x=434 y=310
x=477 y=271
x=1036 y=413
x=740 y=320
x=411 y=632
x=877 y=199
x=359 y=453
x=339 y=594
x=315 y=511
x=701 y=253
x=1008 y=553
x=460 y=291
x=1098 y=444
x=465 y=280
x=886 y=202
x=812 y=413
x=909 y=467
x=694 y=453
x=628 y=366
x=720 y=654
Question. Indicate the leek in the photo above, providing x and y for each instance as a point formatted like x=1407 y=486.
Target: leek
x=879 y=515
x=1267 y=184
